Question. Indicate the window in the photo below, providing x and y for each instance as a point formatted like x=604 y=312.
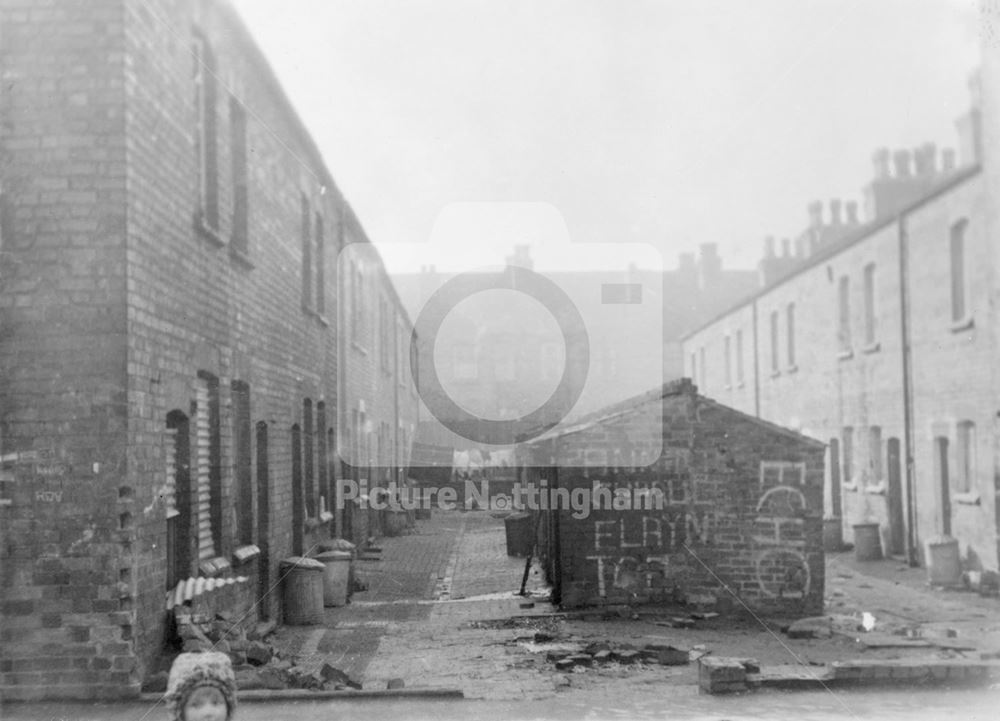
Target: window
x=739 y=357
x=238 y=153
x=385 y=339
x=876 y=467
x=844 y=314
x=263 y=520
x=701 y=369
x=505 y=364
x=959 y=290
x=870 y=305
x=177 y=497
x=694 y=367
x=320 y=263
x=208 y=466
x=243 y=473
x=206 y=152
x=308 y=483
x=790 y=329
x=847 y=466
x=964 y=480
x=357 y=302
x=774 y=342
x=307 y=259
x=728 y=361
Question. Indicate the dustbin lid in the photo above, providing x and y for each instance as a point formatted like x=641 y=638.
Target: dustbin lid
x=306 y=564
x=337 y=544
x=328 y=556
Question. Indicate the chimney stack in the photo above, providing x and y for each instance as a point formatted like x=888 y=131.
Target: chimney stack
x=786 y=248
x=851 y=208
x=925 y=160
x=835 y=211
x=769 y=246
x=901 y=161
x=815 y=209
x=880 y=159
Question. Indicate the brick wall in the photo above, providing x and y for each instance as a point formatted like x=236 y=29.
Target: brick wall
x=66 y=618
x=740 y=523
x=860 y=387
x=118 y=301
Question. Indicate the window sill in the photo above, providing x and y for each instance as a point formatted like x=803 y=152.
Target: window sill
x=214 y=566
x=207 y=232
x=241 y=258
x=792 y=369
x=852 y=486
x=775 y=373
x=845 y=354
x=358 y=347
x=966 y=323
x=969 y=499
x=872 y=348
x=323 y=320
x=740 y=384
x=245 y=553
x=312 y=523
x=876 y=488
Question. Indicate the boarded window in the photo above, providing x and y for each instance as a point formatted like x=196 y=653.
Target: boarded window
x=242 y=450
x=844 y=314
x=208 y=478
x=238 y=153
x=206 y=150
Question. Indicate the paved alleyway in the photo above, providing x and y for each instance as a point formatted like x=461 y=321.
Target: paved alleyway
x=450 y=569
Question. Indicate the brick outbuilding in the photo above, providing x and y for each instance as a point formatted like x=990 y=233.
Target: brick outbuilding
x=739 y=525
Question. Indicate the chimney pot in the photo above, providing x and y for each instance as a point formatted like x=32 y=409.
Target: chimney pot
x=930 y=158
x=851 y=208
x=786 y=248
x=815 y=209
x=880 y=159
x=769 y=246
x=901 y=159
x=947 y=160
x=835 y=211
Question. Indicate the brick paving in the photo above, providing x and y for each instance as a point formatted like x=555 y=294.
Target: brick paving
x=429 y=585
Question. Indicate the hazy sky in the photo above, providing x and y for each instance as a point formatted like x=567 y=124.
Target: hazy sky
x=657 y=121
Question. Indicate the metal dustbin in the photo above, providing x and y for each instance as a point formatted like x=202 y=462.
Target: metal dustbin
x=341 y=544
x=303 y=591
x=336 y=576
x=520 y=534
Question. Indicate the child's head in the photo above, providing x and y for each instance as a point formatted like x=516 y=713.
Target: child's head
x=201 y=687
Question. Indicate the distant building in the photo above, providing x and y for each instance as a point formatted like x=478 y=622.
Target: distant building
x=174 y=385
x=880 y=339
x=502 y=362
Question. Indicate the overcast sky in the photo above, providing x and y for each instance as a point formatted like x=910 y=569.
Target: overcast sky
x=475 y=124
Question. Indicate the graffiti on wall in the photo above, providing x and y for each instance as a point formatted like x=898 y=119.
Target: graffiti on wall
x=638 y=553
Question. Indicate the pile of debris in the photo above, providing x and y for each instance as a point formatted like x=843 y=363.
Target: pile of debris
x=257 y=664
x=599 y=653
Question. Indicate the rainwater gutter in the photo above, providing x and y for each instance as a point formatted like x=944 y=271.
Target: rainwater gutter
x=904 y=332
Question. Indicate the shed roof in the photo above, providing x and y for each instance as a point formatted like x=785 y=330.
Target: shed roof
x=676 y=388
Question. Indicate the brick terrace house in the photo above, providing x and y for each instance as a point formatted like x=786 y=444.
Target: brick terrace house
x=740 y=523
x=173 y=385
x=504 y=362
x=882 y=342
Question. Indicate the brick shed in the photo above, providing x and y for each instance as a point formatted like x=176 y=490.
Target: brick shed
x=740 y=516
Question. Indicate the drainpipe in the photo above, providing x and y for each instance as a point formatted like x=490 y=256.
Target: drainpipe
x=904 y=332
x=756 y=365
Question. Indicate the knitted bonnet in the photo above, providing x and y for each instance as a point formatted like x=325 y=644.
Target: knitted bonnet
x=200 y=669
